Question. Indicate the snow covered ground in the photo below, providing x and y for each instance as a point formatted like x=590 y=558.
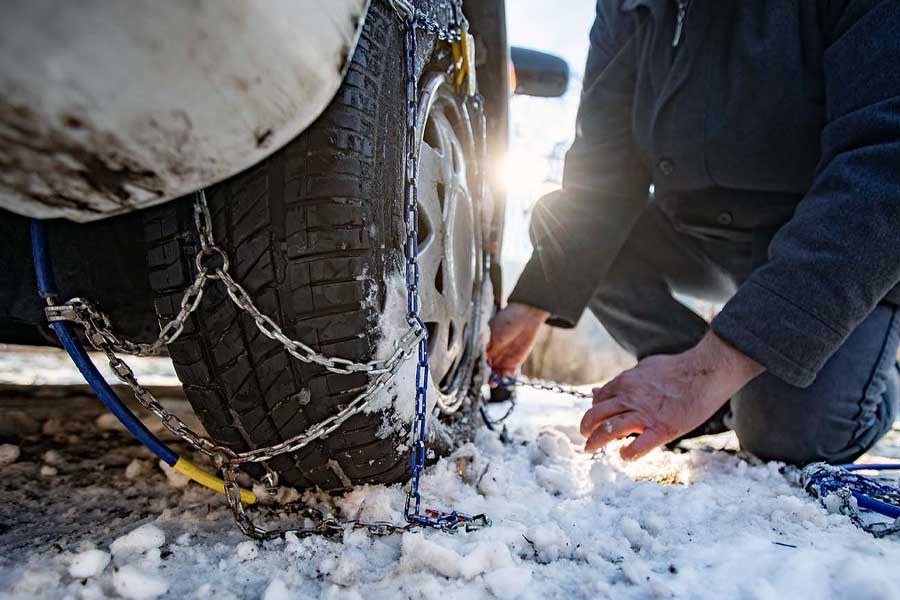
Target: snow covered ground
x=86 y=513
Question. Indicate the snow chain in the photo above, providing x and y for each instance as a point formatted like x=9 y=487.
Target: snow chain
x=537 y=384
x=822 y=481
x=213 y=265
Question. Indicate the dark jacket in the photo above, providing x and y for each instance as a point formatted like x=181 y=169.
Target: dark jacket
x=768 y=118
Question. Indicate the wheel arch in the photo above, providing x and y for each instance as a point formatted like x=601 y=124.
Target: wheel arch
x=108 y=107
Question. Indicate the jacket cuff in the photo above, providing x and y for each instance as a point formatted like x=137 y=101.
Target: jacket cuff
x=792 y=343
x=564 y=300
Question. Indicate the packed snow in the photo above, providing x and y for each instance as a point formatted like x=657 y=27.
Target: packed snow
x=706 y=523
x=9 y=453
x=89 y=563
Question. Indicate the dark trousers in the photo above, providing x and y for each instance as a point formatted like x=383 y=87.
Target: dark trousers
x=849 y=406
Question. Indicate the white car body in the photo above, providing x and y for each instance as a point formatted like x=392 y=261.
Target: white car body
x=106 y=106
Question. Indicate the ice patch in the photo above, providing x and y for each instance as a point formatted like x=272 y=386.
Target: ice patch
x=34 y=583
x=549 y=542
x=554 y=444
x=371 y=504
x=636 y=536
x=559 y=480
x=133 y=583
x=108 y=422
x=418 y=552
x=493 y=481
x=9 y=453
x=334 y=592
x=53 y=427
x=833 y=503
x=636 y=571
x=603 y=475
x=277 y=590
x=89 y=563
x=136 y=469
x=52 y=458
x=138 y=540
x=508 y=582
x=247 y=550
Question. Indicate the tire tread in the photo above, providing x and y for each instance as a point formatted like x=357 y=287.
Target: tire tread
x=309 y=238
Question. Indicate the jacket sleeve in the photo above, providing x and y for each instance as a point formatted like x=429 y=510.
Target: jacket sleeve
x=839 y=255
x=577 y=231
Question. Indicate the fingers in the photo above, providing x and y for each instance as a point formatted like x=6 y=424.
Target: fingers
x=508 y=348
x=505 y=371
x=607 y=391
x=613 y=429
x=499 y=345
x=599 y=413
x=497 y=356
x=503 y=361
x=644 y=443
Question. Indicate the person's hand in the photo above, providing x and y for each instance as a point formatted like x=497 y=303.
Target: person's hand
x=513 y=331
x=666 y=396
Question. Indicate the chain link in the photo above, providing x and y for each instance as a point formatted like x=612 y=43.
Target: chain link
x=101 y=335
x=413 y=17
x=822 y=480
x=546 y=386
x=213 y=265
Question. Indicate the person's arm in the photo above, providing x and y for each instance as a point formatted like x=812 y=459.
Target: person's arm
x=577 y=231
x=829 y=266
x=840 y=253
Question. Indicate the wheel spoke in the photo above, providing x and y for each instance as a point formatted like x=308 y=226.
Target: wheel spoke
x=429 y=178
x=431 y=249
x=445 y=145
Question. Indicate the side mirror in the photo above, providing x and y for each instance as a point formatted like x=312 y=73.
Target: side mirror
x=537 y=73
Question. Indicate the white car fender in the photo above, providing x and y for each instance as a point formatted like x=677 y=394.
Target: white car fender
x=110 y=106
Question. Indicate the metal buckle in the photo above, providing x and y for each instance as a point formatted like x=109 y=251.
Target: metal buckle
x=60 y=312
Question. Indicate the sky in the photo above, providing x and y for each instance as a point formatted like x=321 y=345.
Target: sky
x=560 y=26
x=541 y=128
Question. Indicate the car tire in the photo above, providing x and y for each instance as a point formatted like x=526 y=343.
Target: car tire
x=315 y=234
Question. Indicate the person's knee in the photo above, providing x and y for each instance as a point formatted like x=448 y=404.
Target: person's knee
x=776 y=421
x=770 y=443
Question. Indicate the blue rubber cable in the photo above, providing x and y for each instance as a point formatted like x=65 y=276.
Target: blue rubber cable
x=43 y=269
x=47 y=289
x=867 y=502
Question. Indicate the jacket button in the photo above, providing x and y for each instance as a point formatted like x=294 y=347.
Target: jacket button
x=724 y=218
x=665 y=166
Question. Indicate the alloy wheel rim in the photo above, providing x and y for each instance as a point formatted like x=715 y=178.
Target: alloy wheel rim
x=451 y=244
